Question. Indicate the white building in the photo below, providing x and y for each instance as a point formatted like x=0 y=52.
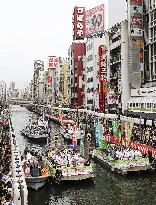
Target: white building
x=91 y=71
x=118 y=66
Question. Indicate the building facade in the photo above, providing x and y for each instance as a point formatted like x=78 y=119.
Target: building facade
x=2 y=91
x=76 y=53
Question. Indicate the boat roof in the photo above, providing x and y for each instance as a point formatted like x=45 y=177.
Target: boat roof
x=142 y=100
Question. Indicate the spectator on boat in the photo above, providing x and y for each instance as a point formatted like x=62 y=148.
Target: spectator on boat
x=27 y=170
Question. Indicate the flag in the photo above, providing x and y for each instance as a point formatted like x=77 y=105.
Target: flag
x=74 y=141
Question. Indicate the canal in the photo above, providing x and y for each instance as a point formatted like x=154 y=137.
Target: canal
x=107 y=189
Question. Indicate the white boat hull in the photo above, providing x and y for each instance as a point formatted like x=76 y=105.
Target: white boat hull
x=36 y=182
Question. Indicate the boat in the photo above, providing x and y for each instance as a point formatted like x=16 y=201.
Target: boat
x=36 y=182
x=66 y=165
x=36 y=129
x=35 y=176
x=122 y=165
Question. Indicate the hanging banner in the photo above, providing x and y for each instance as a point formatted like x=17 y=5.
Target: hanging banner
x=98 y=135
x=79 y=23
x=82 y=147
x=74 y=142
x=74 y=139
x=115 y=127
x=135 y=20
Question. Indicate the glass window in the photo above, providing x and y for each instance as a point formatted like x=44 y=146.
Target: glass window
x=148 y=105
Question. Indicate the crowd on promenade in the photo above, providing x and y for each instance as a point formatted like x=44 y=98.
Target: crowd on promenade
x=6 y=180
x=145 y=135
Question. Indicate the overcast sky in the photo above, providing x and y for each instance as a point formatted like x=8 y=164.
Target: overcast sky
x=34 y=29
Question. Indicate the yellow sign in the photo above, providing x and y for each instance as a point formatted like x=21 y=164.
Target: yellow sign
x=139 y=43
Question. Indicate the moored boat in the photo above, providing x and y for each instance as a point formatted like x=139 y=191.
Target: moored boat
x=35 y=170
x=122 y=161
x=36 y=129
x=36 y=182
x=67 y=165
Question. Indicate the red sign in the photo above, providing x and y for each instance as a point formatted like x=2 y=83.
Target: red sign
x=136 y=20
x=79 y=23
x=52 y=62
x=49 y=79
x=136 y=1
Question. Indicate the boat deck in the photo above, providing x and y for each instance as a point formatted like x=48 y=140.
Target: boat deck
x=123 y=171
x=77 y=177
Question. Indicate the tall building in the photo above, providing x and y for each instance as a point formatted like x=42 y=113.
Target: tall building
x=38 y=80
x=118 y=67
x=76 y=53
x=64 y=83
x=92 y=72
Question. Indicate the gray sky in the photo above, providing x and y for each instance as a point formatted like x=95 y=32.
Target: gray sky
x=34 y=29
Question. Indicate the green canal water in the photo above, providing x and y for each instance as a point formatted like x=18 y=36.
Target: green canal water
x=107 y=188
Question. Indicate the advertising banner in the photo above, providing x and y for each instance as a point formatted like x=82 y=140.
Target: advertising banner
x=113 y=99
x=103 y=77
x=98 y=135
x=50 y=80
x=79 y=23
x=52 y=62
x=115 y=127
x=95 y=20
x=38 y=65
x=135 y=19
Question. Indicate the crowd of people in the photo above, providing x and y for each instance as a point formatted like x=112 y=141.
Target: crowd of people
x=6 y=180
x=119 y=152
x=32 y=164
x=145 y=135
x=67 y=159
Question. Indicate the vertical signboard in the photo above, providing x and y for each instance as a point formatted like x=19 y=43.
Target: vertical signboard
x=38 y=65
x=135 y=9
x=52 y=62
x=103 y=77
x=95 y=20
x=79 y=23
x=98 y=135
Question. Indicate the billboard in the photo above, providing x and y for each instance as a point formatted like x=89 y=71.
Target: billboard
x=79 y=23
x=38 y=65
x=135 y=17
x=52 y=62
x=95 y=20
x=103 y=77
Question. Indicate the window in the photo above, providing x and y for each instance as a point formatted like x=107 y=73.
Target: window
x=130 y=105
x=89 y=58
x=148 y=105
